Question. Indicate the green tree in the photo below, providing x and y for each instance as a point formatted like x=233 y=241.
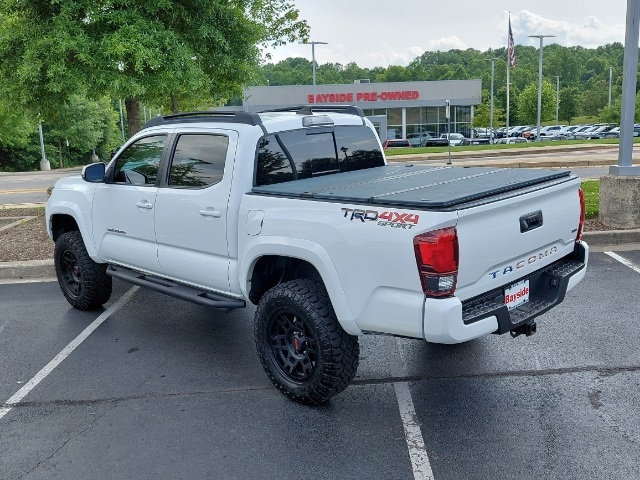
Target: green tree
x=528 y=103
x=85 y=125
x=594 y=97
x=611 y=114
x=482 y=116
x=568 y=108
x=161 y=53
x=15 y=126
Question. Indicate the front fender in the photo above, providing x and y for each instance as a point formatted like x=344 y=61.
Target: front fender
x=306 y=250
x=80 y=216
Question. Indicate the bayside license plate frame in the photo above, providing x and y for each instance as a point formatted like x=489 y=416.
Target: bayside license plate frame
x=516 y=294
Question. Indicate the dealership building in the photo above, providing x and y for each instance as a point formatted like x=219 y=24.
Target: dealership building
x=397 y=109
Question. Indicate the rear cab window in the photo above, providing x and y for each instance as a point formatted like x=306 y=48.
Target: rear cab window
x=307 y=153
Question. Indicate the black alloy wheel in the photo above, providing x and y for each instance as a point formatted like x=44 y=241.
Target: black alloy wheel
x=71 y=273
x=301 y=345
x=293 y=346
x=84 y=283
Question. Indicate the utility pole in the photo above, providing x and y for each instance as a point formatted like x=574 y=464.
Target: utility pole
x=629 y=83
x=493 y=71
x=541 y=38
x=557 y=97
x=610 y=79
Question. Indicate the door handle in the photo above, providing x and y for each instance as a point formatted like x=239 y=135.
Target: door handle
x=144 y=204
x=210 y=212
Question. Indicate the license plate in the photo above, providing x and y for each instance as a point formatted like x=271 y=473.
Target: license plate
x=516 y=294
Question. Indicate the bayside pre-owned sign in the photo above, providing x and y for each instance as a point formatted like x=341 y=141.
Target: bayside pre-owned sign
x=363 y=96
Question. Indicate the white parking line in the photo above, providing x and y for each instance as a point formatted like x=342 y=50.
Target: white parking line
x=624 y=261
x=412 y=432
x=57 y=360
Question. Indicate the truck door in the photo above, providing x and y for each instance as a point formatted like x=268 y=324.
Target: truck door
x=123 y=209
x=191 y=209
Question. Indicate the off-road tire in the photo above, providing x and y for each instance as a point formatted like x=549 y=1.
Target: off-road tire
x=302 y=347
x=84 y=283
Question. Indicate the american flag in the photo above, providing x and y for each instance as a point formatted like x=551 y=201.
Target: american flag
x=512 y=49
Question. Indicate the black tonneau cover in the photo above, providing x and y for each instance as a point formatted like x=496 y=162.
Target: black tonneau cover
x=418 y=186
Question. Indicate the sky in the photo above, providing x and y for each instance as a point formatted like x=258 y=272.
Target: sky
x=380 y=33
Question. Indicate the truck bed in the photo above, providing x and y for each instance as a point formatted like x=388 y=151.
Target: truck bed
x=421 y=186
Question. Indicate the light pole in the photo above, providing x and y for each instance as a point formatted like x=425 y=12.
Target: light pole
x=557 y=97
x=541 y=38
x=493 y=71
x=313 y=57
x=122 y=122
x=610 y=78
x=44 y=163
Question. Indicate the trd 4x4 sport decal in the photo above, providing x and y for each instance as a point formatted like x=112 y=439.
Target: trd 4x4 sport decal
x=384 y=219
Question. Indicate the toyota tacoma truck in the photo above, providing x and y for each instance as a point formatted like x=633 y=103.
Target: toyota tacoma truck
x=298 y=212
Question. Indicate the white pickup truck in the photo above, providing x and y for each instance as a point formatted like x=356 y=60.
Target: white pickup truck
x=299 y=213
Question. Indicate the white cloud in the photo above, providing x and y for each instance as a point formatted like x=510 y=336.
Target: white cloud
x=444 y=44
x=591 y=22
x=384 y=54
x=590 y=33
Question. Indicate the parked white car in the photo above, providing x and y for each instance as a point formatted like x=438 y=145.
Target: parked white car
x=455 y=139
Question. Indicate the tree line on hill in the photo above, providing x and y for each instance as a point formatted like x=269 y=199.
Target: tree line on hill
x=583 y=72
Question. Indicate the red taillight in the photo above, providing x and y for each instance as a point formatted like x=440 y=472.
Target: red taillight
x=583 y=210
x=437 y=259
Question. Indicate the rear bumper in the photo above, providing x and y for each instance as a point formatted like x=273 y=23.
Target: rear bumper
x=449 y=320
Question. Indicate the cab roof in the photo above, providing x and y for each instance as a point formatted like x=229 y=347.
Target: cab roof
x=268 y=120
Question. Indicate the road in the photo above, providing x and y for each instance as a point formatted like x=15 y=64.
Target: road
x=29 y=187
x=163 y=389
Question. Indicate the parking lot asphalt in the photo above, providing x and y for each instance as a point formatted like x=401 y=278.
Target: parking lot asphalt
x=167 y=389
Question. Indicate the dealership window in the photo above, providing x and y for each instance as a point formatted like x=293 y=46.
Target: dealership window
x=414 y=116
x=463 y=114
x=394 y=116
x=425 y=119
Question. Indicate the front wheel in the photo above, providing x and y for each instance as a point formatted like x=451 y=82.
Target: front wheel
x=84 y=283
x=302 y=347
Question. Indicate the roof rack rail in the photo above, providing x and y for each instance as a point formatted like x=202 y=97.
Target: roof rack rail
x=308 y=109
x=206 y=116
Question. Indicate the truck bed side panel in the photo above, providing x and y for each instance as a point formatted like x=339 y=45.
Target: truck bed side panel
x=374 y=260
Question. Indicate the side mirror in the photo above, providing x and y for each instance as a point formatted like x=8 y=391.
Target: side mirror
x=93 y=173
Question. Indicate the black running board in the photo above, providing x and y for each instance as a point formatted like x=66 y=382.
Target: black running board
x=174 y=289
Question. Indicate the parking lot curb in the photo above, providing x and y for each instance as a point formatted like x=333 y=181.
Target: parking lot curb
x=29 y=269
x=612 y=237
x=11 y=206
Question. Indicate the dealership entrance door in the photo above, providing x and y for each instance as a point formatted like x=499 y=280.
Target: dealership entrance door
x=380 y=124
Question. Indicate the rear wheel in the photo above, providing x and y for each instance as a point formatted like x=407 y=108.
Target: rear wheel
x=84 y=283
x=302 y=347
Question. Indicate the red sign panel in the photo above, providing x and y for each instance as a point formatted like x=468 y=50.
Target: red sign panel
x=363 y=96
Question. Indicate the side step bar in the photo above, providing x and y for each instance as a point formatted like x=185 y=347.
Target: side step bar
x=174 y=289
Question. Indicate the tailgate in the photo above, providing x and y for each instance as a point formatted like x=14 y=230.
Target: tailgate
x=503 y=241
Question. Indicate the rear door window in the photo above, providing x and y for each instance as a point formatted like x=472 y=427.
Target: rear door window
x=198 y=160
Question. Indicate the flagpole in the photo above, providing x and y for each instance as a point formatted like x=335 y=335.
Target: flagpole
x=508 y=74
